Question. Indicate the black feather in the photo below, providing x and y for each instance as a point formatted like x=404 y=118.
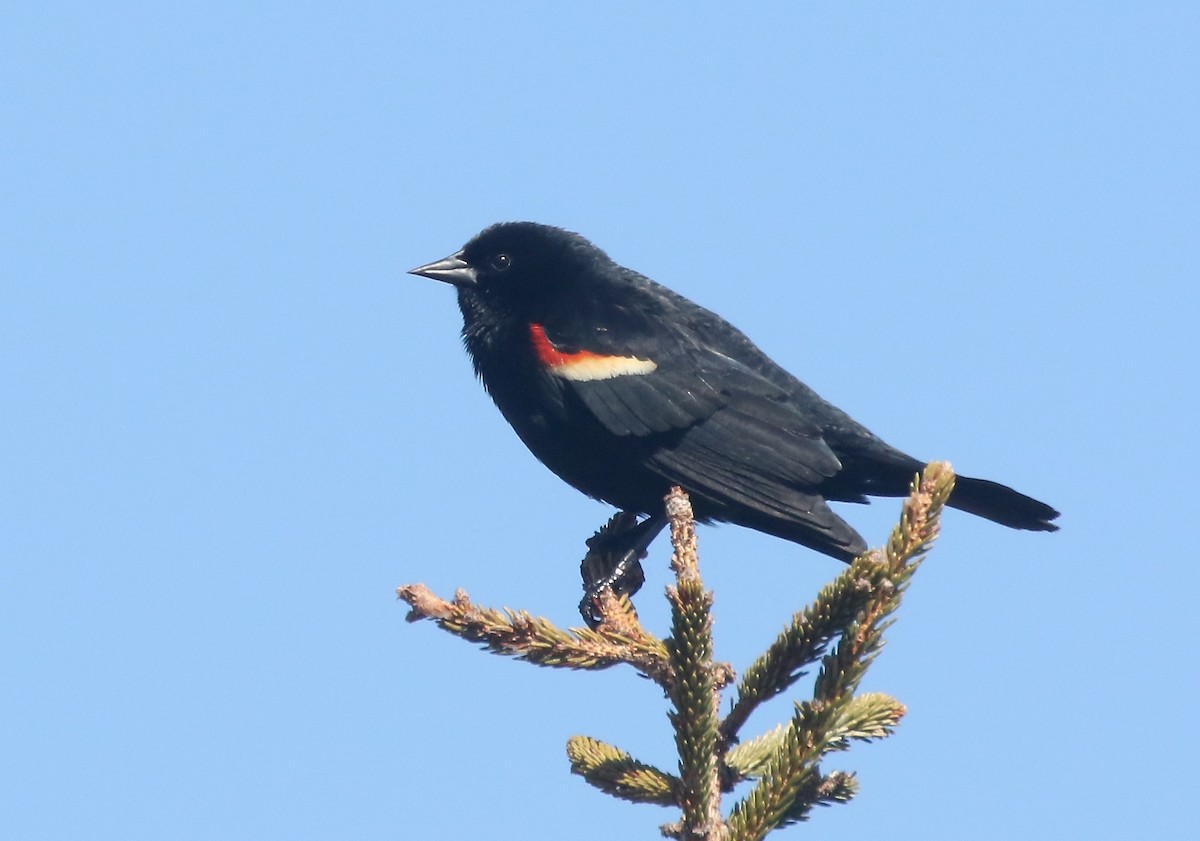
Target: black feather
x=702 y=407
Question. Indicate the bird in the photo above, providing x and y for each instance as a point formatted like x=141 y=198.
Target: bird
x=625 y=389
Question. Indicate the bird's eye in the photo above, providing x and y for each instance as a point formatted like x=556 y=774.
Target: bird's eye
x=501 y=262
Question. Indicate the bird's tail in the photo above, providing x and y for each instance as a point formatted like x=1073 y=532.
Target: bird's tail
x=1001 y=504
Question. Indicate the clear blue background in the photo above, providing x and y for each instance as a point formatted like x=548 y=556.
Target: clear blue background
x=231 y=425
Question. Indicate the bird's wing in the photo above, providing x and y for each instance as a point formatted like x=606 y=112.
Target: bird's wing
x=630 y=385
x=740 y=427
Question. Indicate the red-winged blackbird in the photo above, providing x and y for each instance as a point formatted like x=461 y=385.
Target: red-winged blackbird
x=625 y=388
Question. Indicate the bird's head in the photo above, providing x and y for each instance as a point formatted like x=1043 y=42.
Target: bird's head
x=511 y=263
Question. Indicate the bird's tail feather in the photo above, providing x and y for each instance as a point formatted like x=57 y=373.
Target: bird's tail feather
x=1001 y=504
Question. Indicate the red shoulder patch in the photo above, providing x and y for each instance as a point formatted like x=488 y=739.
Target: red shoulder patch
x=584 y=365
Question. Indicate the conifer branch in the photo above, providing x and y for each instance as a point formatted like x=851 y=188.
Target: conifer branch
x=866 y=717
x=518 y=634
x=612 y=770
x=792 y=769
x=842 y=631
x=869 y=716
x=835 y=787
x=695 y=692
x=803 y=642
x=748 y=760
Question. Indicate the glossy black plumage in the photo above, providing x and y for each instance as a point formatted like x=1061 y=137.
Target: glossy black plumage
x=625 y=388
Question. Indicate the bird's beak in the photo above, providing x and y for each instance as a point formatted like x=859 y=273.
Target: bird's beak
x=452 y=269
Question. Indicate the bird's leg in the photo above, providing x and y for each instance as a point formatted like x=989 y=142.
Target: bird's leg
x=614 y=559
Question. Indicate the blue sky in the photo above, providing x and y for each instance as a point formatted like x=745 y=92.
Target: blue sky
x=232 y=424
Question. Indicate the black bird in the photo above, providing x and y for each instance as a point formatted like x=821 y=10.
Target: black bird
x=624 y=388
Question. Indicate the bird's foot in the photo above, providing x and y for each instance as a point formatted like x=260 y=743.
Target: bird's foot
x=614 y=560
